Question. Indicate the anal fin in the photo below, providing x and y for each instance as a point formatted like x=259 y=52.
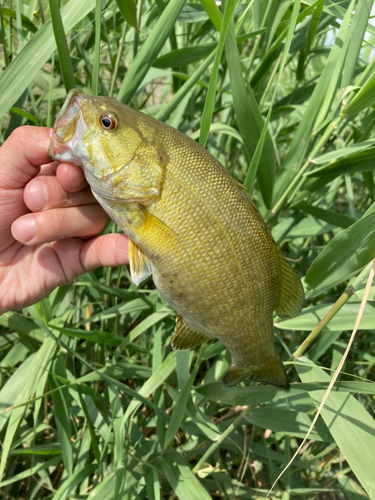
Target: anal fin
x=272 y=372
x=186 y=337
x=140 y=265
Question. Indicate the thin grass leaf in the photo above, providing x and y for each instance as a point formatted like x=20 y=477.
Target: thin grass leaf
x=62 y=46
x=315 y=111
x=27 y=24
x=128 y=9
x=95 y=71
x=180 y=408
x=182 y=57
x=169 y=107
x=349 y=423
x=309 y=318
x=183 y=482
x=156 y=379
x=263 y=176
x=211 y=92
x=339 y=220
x=28 y=62
x=363 y=99
x=213 y=12
x=348 y=151
x=149 y=50
x=345 y=255
x=249 y=118
x=71 y=483
x=36 y=367
x=61 y=402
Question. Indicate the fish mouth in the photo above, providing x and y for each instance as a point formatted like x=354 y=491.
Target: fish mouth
x=69 y=128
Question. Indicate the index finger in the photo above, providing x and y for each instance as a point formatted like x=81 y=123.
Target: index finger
x=22 y=154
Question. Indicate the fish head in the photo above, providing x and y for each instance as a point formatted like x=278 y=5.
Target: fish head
x=106 y=138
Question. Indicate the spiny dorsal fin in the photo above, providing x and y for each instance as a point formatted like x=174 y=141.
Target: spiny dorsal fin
x=291 y=294
x=186 y=337
x=140 y=265
x=272 y=372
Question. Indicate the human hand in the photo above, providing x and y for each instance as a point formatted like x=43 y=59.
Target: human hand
x=48 y=220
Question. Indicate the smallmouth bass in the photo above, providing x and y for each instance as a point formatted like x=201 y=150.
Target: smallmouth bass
x=191 y=225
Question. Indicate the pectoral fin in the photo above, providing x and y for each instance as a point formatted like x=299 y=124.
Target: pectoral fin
x=140 y=265
x=271 y=372
x=186 y=337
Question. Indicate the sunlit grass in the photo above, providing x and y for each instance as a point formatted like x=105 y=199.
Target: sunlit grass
x=102 y=407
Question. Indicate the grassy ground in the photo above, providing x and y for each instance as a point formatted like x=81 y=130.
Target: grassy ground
x=282 y=93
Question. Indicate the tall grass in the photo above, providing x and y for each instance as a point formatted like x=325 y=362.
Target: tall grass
x=94 y=403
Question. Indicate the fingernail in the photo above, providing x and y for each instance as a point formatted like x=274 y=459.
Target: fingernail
x=37 y=195
x=24 y=229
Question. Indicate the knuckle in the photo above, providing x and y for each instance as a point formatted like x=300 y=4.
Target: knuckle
x=19 y=134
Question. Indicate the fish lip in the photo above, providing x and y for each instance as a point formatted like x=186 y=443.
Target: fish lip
x=61 y=146
x=71 y=105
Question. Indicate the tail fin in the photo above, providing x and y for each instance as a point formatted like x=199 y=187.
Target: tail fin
x=291 y=294
x=272 y=372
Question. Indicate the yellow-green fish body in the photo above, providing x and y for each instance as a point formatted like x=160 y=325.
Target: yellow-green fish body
x=191 y=225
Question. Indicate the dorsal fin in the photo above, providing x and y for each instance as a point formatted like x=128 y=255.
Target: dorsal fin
x=186 y=337
x=140 y=265
x=291 y=295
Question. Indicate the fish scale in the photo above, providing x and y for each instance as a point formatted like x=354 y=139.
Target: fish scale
x=191 y=225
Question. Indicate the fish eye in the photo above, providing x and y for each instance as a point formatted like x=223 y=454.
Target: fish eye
x=108 y=122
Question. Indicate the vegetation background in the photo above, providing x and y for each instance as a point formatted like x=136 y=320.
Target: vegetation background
x=94 y=404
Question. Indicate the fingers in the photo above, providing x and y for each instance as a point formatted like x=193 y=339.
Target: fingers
x=22 y=154
x=46 y=192
x=59 y=223
x=77 y=257
x=60 y=262
x=71 y=177
x=107 y=250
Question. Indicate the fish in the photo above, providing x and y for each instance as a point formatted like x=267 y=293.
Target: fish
x=191 y=225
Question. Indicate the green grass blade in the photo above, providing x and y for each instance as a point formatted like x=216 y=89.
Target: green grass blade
x=358 y=162
x=156 y=379
x=62 y=46
x=168 y=108
x=73 y=481
x=350 y=424
x=128 y=9
x=358 y=29
x=36 y=367
x=309 y=318
x=345 y=255
x=184 y=483
x=339 y=220
x=182 y=57
x=249 y=119
x=265 y=186
x=61 y=402
x=95 y=70
x=149 y=50
x=213 y=12
x=28 y=62
x=363 y=99
x=180 y=409
x=211 y=92
x=316 y=109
